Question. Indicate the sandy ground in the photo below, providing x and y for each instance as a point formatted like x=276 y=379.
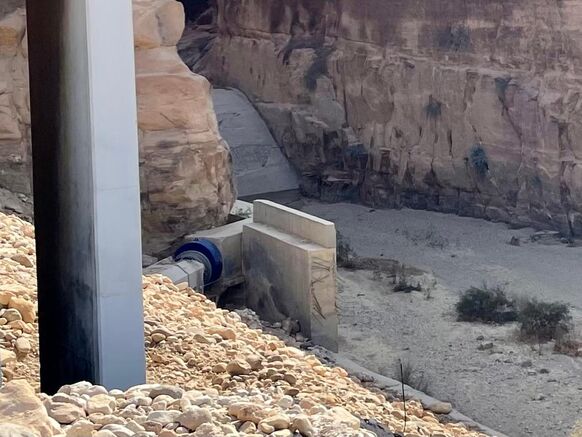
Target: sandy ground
x=510 y=387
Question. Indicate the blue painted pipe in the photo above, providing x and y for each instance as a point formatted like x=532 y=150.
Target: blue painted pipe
x=205 y=252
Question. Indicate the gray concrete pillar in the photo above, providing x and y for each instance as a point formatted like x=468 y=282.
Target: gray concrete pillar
x=86 y=192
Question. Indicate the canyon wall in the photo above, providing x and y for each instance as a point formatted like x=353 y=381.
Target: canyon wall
x=464 y=106
x=185 y=172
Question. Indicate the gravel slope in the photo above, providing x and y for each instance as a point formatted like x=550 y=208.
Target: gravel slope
x=205 y=357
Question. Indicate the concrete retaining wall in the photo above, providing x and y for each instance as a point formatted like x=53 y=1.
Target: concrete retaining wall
x=290 y=269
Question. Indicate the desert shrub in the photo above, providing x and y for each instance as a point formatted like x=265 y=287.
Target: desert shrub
x=429 y=237
x=344 y=252
x=485 y=304
x=568 y=344
x=544 y=321
x=404 y=285
x=412 y=377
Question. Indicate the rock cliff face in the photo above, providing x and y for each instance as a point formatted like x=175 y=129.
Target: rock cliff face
x=186 y=178
x=460 y=106
x=14 y=107
x=184 y=163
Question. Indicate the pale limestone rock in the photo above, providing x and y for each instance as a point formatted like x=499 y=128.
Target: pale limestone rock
x=6 y=356
x=441 y=407
x=12 y=315
x=164 y=417
x=12 y=430
x=24 y=307
x=65 y=413
x=104 y=433
x=22 y=260
x=278 y=421
x=225 y=333
x=341 y=415
x=248 y=428
x=193 y=417
x=302 y=425
x=238 y=367
x=100 y=403
x=22 y=345
x=81 y=429
x=20 y=406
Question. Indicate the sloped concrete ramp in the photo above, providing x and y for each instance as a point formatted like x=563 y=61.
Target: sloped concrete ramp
x=259 y=164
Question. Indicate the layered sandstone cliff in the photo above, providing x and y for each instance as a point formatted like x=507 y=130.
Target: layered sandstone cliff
x=185 y=173
x=460 y=106
x=184 y=163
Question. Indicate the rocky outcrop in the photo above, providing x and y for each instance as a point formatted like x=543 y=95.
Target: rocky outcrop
x=184 y=163
x=22 y=414
x=458 y=106
x=15 y=158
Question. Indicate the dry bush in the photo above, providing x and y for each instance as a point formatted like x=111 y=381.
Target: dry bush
x=485 y=304
x=543 y=321
x=412 y=377
x=344 y=252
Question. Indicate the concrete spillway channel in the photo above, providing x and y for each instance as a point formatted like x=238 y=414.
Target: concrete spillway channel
x=259 y=164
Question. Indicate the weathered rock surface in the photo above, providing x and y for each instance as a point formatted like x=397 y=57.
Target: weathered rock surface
x=460 y=106
x=15 y=159
x=20 y=406
x=184 y=163
x=211 y=375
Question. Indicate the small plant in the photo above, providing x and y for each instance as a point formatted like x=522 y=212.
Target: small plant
x=478 y=160
x=344 y=252
x=244 y=212
x=568 y=344
x=544 y=321
x=485 y=304
x=412 y=377
x=429 y=237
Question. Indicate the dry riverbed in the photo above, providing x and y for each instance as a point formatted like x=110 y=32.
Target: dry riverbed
x=482 y=369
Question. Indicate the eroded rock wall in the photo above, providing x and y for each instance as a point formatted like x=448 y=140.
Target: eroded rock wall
x=185 y=171
x=15 y=156
x=464 y=106
x=186 y=179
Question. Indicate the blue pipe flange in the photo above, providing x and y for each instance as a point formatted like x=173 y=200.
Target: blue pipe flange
x=205 y=252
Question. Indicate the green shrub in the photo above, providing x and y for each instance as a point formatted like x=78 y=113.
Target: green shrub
x=544 y=321
x=489 y=305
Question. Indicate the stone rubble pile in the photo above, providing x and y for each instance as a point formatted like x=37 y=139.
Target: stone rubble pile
x=210 y=374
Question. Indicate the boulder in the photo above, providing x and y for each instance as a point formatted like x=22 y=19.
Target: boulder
x=184 y=172
x=20 y=406
x=11 y=430
x=24 y=307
